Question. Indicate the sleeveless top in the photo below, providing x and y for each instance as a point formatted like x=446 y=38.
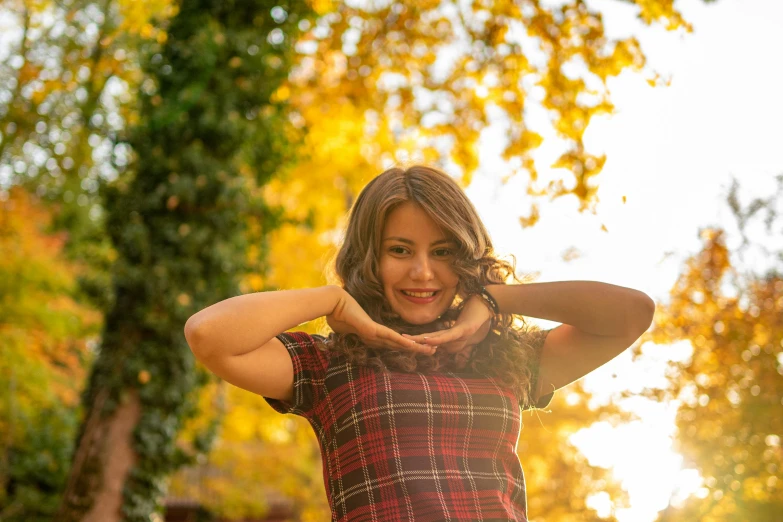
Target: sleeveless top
x=410 y=446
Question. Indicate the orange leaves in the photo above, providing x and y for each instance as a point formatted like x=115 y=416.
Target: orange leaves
x=661 y=11
x=378 y=100
x=29 y=72
x=625 y=54
x=496 y=34
x=571 y=38
x=44 y=331
x=532 y=219
x=338 y=156
x=144 y=377
x=730 y=386
x=136 y=16
x=525 y=142
x=584 y=166
x=321 y=6
x=281 y=94
x=560 y=478
x=257 y=448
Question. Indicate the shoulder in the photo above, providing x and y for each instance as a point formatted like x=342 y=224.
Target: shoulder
x=301 y=339
x=309 y=350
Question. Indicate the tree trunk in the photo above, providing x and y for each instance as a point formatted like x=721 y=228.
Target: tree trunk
x=180 y=229
x=113 y=438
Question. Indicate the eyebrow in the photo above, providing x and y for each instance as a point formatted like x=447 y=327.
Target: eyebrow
x=409 y=242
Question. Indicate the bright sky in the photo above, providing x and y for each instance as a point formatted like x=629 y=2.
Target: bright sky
x=670 y=152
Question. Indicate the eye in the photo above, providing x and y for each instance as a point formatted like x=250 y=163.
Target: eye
x=441 y=252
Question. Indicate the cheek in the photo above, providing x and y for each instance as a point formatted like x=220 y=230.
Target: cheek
x=386 y=272
x=452 y=277
x=457 y=286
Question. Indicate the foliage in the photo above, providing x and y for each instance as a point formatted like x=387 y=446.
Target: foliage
x=729 y=387
x=68 y=96
x=257 y=456
x=559 y=478
x=67 y=89
x=45 y=335
x=68 y=84
x=353 y=129
x=207 y=137
x=428 y=75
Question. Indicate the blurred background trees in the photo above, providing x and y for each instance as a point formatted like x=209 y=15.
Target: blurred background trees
x=729 y=388
x=207 y=136
x=46 y=327
x=145 y=182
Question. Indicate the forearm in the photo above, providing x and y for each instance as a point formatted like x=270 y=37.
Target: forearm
x=594 y=307
x=240 y=324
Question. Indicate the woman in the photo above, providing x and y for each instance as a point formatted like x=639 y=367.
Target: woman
x=416 y=394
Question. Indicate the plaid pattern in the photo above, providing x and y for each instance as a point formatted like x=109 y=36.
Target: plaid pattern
x=410 y=446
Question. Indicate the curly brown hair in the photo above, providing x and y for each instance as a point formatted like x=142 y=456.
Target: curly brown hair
x=506 y=352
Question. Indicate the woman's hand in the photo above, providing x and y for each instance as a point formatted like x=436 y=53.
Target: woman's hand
x=470 y=328
x=349 y=317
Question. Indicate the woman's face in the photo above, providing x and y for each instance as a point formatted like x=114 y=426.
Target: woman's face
x=415 y=257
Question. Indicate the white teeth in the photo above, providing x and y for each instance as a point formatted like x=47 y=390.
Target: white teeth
x=419 y=294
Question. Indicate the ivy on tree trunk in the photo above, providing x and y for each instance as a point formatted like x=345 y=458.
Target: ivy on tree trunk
x=209 y=134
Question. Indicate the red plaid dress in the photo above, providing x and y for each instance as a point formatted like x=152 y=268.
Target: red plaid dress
x=410 y=446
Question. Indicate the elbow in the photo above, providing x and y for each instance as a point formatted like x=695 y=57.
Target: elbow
x=650 y=304
x=194 y=337
x=645 y=313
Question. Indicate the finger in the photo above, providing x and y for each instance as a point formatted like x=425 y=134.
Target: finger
x=416 y=348
x=421 y=338
x=386 y=344
x=397 y=341
x=445 y=336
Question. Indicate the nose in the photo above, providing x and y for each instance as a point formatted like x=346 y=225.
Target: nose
x=422 y=268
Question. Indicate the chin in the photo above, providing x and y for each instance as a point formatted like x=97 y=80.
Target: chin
x=419 y=319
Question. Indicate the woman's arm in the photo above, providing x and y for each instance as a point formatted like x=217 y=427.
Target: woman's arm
x=600 y=321
x=240 y=324
x=593 y=307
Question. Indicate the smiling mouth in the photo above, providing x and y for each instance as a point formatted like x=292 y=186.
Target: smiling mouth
x=420 y=294
x=421 y=298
